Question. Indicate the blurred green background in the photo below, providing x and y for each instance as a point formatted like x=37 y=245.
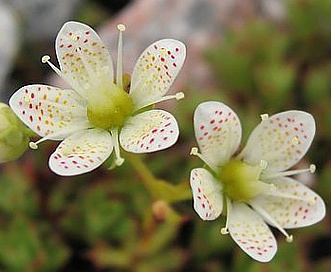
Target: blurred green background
x=108 y=221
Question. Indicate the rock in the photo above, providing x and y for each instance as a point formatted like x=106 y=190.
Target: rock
x=199 y=24
x=41 y=19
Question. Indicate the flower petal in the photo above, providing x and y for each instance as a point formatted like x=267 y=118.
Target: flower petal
x=251 y=233
x=292 y=213
x=149 y=131
x=281 y=140
x=83 y=57
x=155 y=71
x=49 y=110
x=217 y=131
x=82 y=152
x=207 y=196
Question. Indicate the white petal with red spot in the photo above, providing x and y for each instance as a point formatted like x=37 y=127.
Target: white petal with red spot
x=82 y=152
x=149 y=131
x=84 y=59
x=281 y=140
x=251 y=233
x=217 y=131
x=49 y=110
x=292 y=213
x=207 y=196
x=155 y=71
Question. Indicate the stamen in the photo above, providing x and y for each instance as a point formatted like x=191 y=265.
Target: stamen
x=177 y=96
x=289 y=196
x=118 y=159
x=119 y=68
x=264 y=116
x=311 y=169
x=33 y=145
x=58 y=135
x=46 y=59
x=225 y=230
x=263 y=213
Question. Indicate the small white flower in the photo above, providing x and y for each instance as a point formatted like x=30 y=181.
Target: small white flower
x=97 y=113
x=255 y=186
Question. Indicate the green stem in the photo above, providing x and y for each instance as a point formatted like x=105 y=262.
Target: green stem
x=159 y=189
x=146 y=175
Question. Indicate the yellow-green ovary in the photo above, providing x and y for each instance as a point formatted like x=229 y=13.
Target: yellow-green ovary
x=240 y=181
x=108 y=107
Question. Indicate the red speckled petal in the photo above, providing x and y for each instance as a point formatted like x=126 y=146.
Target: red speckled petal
x=292 y=213
x=217 y=131
x=82 y=152
x=281 y=140
x=84 y=59
x=149 y=131
x=207 y=196
x=48 y=110
x=251 y=233
x=155 y=71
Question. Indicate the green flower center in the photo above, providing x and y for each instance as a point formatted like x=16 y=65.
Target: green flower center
x=109 y=106
x=240 y=181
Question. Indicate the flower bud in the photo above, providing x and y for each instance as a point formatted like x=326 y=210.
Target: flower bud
x=14 y=135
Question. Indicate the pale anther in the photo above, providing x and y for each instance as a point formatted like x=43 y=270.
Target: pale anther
x=33 y=145
x=289 y=239
x=194 y=151
x=264 y=116
x=224 y=231
x=119 y=161
x=179 y=95
x=312 y=168
x=45 y=59
x=121 y=27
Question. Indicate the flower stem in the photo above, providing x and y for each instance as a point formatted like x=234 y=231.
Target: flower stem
x=158 y=189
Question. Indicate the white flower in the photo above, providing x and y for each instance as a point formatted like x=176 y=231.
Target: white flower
x=97 y=113
x=255 y=186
